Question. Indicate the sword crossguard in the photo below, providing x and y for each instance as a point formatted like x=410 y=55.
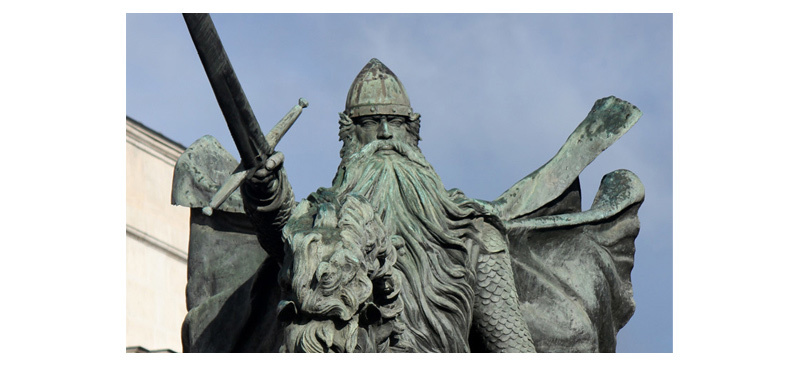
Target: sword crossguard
x=239 y=176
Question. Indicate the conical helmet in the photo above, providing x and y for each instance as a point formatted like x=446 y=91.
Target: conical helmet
x=376 y=90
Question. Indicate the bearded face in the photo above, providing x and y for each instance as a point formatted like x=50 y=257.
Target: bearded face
x=382 y=163
x=378 y=139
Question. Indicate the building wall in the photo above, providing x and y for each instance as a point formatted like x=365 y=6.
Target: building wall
x=156 y=247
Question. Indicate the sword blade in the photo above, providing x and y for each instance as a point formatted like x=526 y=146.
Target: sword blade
x=241 y=121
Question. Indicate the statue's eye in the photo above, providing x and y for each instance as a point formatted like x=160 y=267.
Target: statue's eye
x=369 y=123
x=396 y=121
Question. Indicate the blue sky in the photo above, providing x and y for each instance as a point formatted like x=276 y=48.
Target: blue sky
x=498 y=95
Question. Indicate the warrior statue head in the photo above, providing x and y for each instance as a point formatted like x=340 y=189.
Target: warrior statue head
x=379 y=107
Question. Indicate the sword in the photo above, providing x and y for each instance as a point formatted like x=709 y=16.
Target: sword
x=254 y=148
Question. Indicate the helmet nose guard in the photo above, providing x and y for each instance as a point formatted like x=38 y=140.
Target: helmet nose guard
x=377 y=91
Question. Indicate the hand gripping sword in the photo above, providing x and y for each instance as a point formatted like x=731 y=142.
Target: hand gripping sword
x=254 y=148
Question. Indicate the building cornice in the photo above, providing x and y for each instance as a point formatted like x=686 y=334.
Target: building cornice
x=152 y=142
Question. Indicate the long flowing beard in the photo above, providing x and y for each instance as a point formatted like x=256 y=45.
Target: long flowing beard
x=412 y=203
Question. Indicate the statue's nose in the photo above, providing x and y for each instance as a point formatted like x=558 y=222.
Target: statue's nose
x=384 y=131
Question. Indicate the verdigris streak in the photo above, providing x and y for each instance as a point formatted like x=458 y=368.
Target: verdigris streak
x=388 y=260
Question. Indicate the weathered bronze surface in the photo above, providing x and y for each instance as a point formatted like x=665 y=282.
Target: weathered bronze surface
x=388 y=260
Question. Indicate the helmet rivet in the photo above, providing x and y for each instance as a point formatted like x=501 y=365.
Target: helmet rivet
x=394 y=110
x=372 y=109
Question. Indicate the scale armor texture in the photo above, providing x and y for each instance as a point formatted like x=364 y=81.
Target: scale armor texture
x=496 y=313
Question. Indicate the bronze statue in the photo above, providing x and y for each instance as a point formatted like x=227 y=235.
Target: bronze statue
x=388 y=260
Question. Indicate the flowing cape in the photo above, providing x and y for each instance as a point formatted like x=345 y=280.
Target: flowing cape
x=572 y=267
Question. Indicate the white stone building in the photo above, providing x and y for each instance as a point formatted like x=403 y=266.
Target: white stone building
x=157 y=235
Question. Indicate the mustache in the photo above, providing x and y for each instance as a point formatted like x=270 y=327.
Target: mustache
x=407 y=151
